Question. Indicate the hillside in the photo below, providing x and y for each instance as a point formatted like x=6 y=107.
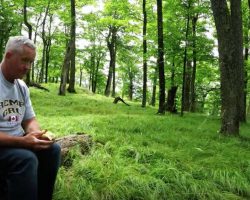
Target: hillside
x=140 y=155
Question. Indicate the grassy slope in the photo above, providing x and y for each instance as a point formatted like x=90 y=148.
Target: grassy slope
x=140 y=155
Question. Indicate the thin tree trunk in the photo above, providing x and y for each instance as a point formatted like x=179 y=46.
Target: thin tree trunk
x=192 y=86
x=44 y=44
x=160 y=59
x=97 y=71
x=47 y=59
x=183 y=99
x=173 y=73
x=35 y=37
x=114 y=69
x=71 y=87
x=144 y=92
x=48 y=47
x=80 y=84
x=92 y=69
x=111 y=40
x=154 y=87
x=131 y=86
x=65 y=70
x=27 y=79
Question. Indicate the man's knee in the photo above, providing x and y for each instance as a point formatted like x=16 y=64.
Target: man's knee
x=56 y=148
x=24 y=160
x=56 y=153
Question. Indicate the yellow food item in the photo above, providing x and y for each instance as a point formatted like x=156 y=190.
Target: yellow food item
x=48 y=136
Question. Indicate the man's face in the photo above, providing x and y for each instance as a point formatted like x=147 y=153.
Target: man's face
x=21 y=62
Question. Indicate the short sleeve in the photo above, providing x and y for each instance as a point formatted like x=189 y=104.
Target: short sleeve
x=29 y=111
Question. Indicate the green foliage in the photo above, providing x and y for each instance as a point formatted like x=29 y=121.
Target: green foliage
x=140 y=155
x=10 y=20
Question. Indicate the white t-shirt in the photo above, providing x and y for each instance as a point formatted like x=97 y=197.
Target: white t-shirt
x=15 y=106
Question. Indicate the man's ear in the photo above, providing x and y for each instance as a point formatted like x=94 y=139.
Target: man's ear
x=8 y=54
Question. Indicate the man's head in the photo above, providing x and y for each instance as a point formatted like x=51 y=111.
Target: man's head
x=16 y=44
x=20 y=52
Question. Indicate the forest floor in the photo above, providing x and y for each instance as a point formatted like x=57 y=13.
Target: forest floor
x=138 y=155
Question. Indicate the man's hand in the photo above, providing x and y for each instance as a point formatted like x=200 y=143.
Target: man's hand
x=34 y=140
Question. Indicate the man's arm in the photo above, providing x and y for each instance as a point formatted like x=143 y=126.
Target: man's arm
x=31 y=139
x=10 y=141
x=31 y=125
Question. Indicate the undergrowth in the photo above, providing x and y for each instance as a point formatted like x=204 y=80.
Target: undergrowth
x=138 y=155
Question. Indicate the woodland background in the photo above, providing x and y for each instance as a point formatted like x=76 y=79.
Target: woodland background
x=163 y=52
x=166 y=59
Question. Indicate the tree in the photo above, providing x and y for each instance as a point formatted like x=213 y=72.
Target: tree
x=246 y=26
x=45 y=46
x=116 y=19
x=65 y=70
x=160 y=59
x=71 y=87
x=29 y=32
x=111 y=43
x=194 y=49
x=10 y=21
x=185 y=82
x=144 y=92
x=228 y=22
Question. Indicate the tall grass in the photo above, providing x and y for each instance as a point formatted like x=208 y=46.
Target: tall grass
x=140 y=155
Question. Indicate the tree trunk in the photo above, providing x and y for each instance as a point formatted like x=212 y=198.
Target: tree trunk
x=100 y=55
x=171 y=105
x=187 y=97
x=111 y=42
x=92 y=69
x=131 y=85
x=27 y=79
x=145 y=68
x=47 y=59
x=110 y=72
x=35 y=38
x=183 y=99
x=228 y=22
x=245 y=64
x=114 y=69
x=192 y=85
x=160 y=59
x=154 y=87
x=47 y=50
x=173 y=73
x=80 y=84
x=41 y=79
x=65 y=69
x=71 y=87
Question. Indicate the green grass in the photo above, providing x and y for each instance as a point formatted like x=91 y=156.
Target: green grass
x=140 y=155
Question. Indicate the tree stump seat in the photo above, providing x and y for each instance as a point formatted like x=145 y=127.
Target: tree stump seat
x=84 y=141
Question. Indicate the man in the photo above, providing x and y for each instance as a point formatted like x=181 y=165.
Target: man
x=28 y=161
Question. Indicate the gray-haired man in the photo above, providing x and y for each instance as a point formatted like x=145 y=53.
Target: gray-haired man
x=28 y=163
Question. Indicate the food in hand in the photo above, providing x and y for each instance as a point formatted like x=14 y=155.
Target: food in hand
x=48 y=136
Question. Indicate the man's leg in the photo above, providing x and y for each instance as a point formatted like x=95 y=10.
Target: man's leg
x=20 y=169
x=49 y=162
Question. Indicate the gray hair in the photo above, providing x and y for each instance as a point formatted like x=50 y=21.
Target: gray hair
x=16 y=43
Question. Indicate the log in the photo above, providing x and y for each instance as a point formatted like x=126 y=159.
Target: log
x=84 y=141
x=37 y=85
x=119 y=99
